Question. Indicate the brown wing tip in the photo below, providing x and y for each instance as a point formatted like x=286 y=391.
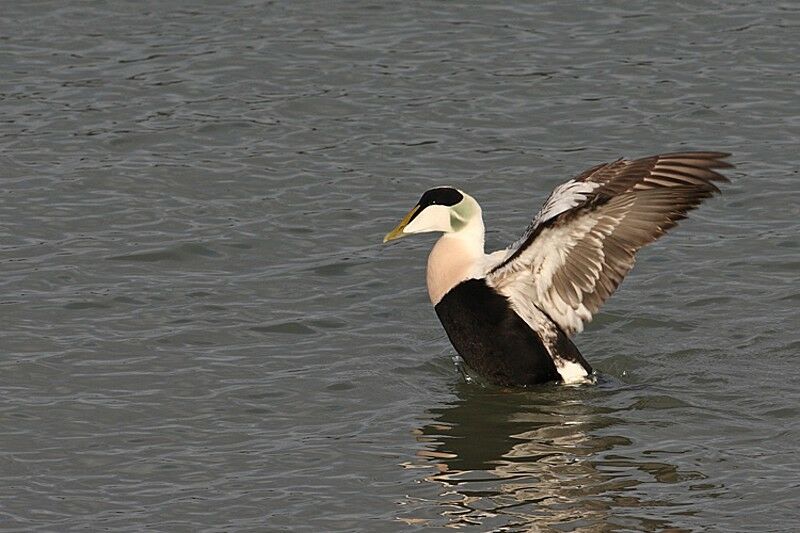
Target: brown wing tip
x=707 y=162
x=705 y=159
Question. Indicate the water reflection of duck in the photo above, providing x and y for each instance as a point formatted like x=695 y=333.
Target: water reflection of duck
x=510 y=314
x=522 y=460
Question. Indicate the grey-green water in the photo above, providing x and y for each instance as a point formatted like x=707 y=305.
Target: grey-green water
x=202 y=332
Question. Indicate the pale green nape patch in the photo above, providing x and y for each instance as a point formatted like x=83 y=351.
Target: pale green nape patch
x=461 y=214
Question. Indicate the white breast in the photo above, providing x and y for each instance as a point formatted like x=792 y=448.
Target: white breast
x=451 y=261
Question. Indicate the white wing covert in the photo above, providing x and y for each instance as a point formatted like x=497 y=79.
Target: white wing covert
x=583 y=241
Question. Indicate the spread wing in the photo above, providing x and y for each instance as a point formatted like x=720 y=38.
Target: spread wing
x=582 y=243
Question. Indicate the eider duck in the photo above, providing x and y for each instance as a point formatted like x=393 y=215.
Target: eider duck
x=511 y=314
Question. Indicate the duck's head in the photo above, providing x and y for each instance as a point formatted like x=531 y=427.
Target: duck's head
x=442 y=209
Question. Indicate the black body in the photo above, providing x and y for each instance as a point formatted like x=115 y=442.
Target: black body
x=495 y=342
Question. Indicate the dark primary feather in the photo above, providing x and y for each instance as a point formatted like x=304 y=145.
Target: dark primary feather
x=680 y=169
x=581 y=245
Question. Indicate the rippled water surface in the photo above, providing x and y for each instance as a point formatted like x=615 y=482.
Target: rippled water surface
x=202 y=332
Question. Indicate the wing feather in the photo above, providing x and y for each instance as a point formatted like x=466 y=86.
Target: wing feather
x=584 y=240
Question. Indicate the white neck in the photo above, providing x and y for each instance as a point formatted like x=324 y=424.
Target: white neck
x=457 y=256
